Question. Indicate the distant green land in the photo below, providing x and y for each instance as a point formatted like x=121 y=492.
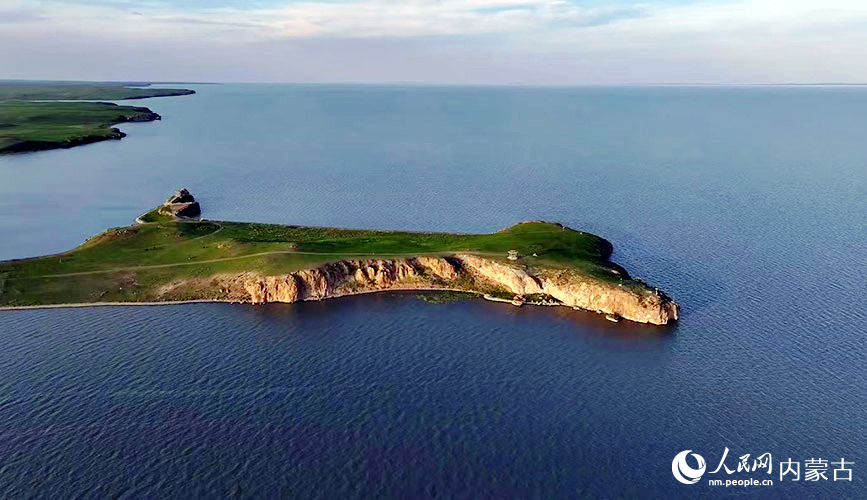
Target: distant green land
x=29 y=123
x=34 y=91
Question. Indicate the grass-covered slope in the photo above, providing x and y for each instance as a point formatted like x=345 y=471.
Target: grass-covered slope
x=33 y=126
x=29 y=124
x=132 y=263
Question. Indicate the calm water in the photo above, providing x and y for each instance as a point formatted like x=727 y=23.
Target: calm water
x=746 y=204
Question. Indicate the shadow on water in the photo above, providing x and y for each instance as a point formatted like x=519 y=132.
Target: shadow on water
x=586 y=323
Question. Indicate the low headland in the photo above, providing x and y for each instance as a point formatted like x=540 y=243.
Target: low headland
x=170 y=258
x=40 y=116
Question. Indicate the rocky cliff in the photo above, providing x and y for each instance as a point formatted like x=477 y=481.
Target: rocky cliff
x=466 y=272
x=140 y=114
x=182 y=204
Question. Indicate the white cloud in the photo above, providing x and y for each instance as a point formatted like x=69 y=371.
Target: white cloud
x=530 y=41
x=356 y=19
x=402 y=18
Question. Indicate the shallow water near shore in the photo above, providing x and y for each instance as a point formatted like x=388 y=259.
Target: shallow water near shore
x=745 y=204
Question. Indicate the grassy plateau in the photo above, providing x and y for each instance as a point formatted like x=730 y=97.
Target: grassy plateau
x=130 y=264
x=38 y=116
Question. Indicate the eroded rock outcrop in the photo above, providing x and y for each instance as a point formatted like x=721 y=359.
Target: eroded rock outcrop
x=465 y=272
x=141 y=115
x=181 y=204
x=348 y=277
x=573 y=289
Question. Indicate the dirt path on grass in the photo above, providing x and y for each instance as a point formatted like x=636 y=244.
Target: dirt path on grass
x=238 y=257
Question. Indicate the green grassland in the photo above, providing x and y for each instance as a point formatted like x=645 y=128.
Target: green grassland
x=129 y=264
x=32 y=126
x=27 y=91
x=28 y=123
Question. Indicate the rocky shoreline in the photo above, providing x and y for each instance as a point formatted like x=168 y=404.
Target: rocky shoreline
x=492 y=279
x=502 y=281
x=533 y=262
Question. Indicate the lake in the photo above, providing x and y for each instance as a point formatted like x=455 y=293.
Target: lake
x=746 y=204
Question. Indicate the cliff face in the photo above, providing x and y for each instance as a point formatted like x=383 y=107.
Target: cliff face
x=576 y=290
x=460 y=272
x=140 y=114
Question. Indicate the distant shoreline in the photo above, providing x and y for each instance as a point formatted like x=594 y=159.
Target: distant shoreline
x=44 y=116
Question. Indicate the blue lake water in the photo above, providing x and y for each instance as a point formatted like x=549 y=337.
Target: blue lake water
x=746 y=204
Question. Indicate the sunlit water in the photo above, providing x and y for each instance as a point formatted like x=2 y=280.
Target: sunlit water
x=746 y=204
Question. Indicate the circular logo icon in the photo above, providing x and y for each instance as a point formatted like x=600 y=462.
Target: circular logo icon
x=683 y=472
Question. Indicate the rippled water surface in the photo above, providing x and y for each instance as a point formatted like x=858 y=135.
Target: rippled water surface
x=746 y=204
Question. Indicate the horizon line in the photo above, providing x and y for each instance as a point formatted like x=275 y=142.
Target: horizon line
x=134 y=82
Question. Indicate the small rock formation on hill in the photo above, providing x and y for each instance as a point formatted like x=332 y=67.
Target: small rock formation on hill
x=181 y=204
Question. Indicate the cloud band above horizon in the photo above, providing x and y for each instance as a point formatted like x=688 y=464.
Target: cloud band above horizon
x=436 y=41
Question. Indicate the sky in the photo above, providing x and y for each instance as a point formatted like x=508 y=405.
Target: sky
x=525 y=42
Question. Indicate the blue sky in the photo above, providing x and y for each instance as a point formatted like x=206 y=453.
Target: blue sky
x=537 y=42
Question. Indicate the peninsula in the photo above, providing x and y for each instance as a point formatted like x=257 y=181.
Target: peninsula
x=37 y=116
x=169 y=258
